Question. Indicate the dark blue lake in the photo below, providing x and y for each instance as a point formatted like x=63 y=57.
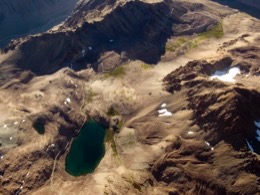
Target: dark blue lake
x=87 y=150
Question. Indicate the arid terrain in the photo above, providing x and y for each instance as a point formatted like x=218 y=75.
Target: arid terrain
x=176 y=85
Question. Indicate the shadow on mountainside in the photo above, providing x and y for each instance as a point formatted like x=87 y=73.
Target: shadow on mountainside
x=135 y=31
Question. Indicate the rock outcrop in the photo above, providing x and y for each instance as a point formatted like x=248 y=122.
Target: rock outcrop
x=225 y=115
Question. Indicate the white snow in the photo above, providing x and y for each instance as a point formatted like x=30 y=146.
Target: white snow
x=257 y=124
x=258 y=132
x=249 y=146
x=90 y=48
x=226 y=76
x=5 y=126
x=207 y=143
x=52 y=145
x=164 y=112
x=23 y=121
x=11 y=138
x=68 y=100
x=83 y=52
x=190 y=132
x=258 y=135
x=163 y=105
x=15 y=123
x=212 y=148
x=2 y=156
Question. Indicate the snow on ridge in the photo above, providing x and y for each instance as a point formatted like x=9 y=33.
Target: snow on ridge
x=164 y=112
x=226 y=76
x=250 y=146
x=163 y=105
x=257 y=124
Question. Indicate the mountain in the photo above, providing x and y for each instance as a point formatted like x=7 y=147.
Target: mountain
x=174 y=85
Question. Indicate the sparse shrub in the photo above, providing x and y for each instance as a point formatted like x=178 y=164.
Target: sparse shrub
x=117 y=72
x=146 y=66
x=112 y=111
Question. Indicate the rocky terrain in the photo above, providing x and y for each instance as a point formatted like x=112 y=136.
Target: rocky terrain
x=175 y=83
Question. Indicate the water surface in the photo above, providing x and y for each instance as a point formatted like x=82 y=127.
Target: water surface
x=87 y=150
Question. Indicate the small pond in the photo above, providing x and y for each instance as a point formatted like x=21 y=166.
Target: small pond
x=87 y=149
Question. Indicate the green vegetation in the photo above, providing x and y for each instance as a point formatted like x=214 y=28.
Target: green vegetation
x=215 y=32
x=179 y=42
x=146 y=66
x=112 y=111
x=110 y=139
x=90 y=95
x=117 y=72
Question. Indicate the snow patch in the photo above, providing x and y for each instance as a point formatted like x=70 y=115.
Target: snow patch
x=250 y=146
x=190 y=132
x=15 y=123
x=164 y=112
x=5 y=126
x=163 y=105
x=208 y=144
x=258 y=132
x=68 y=100
x=258 y=135
x=11 y=138
x=257 y=124
x=226 y=76
x=90 y=48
